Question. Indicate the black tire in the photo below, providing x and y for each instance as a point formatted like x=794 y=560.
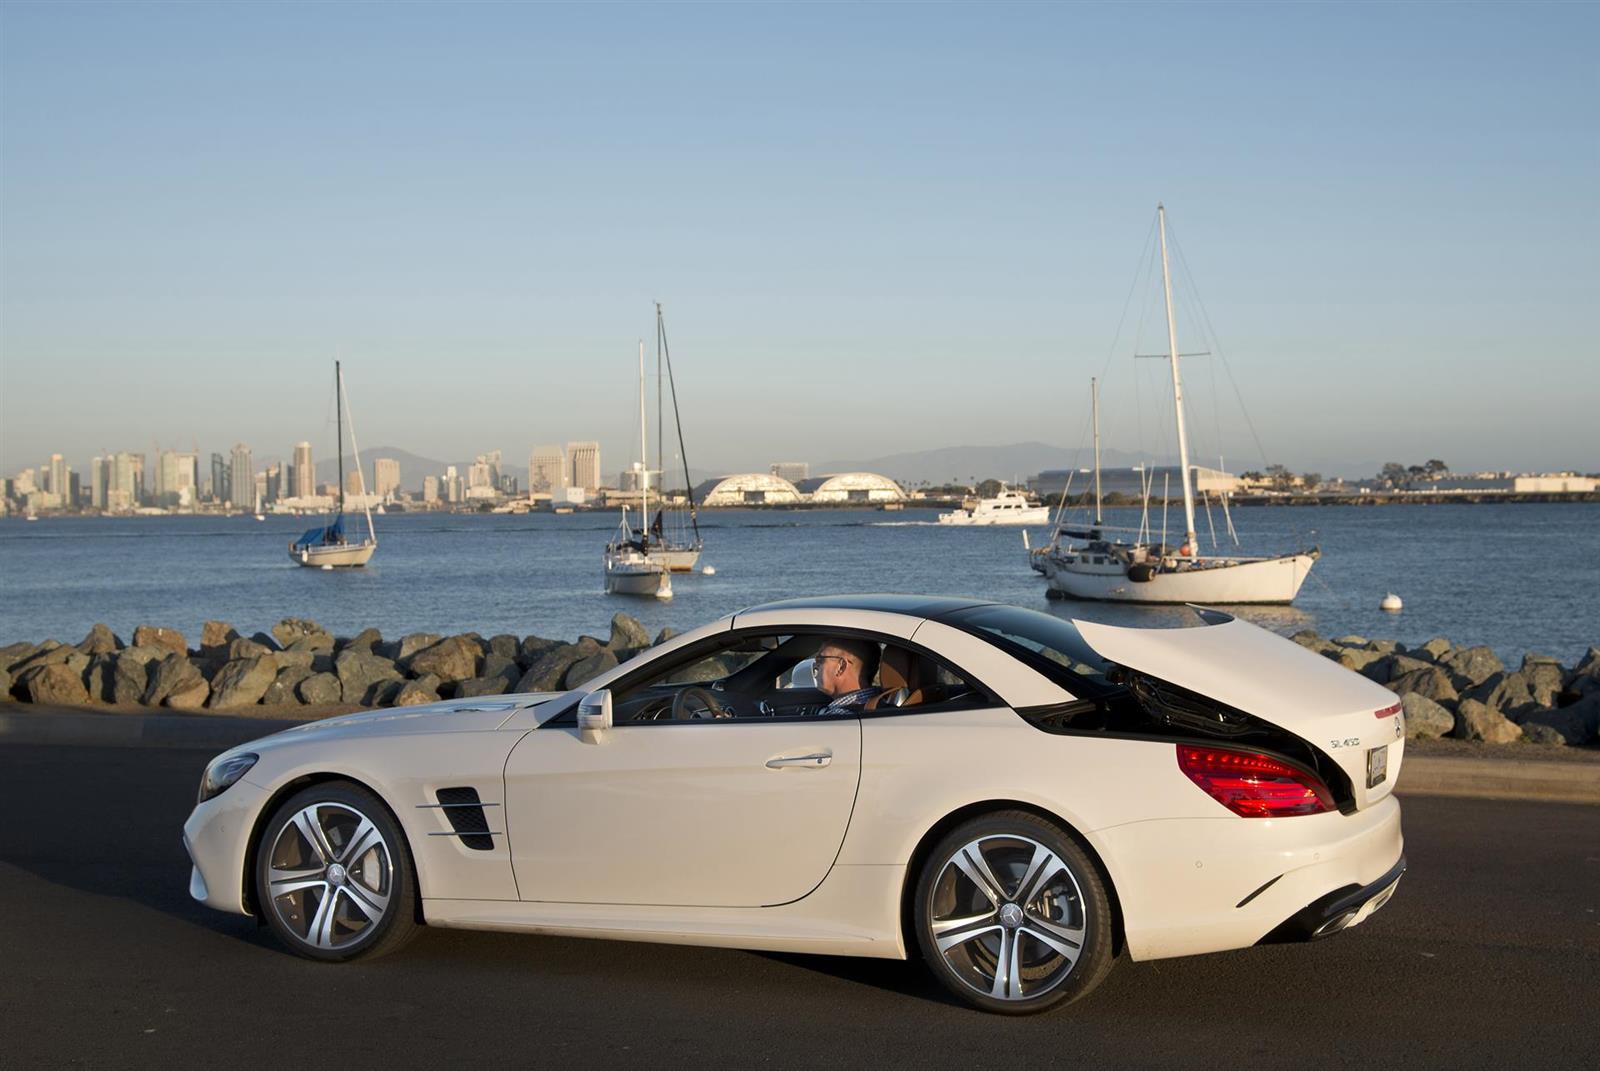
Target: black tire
x=380 y=879
x=1073 y=901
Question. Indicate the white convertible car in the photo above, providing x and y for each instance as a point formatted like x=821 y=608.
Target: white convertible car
x=1020 y=800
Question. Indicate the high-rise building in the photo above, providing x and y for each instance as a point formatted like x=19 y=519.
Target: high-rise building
x=454 y=487
x=480 y=474
x=430 y=489
x=188 y=487
x=221 y=479
x=302 y=474
x=272 y=489
x=243 y=478
x=99 y=477
x=793 y=471
x=494 y=459
x=385 y=477
x=127 y=474
x=584 y=458
x=57 y=484
x=547 y=471
x=355 y=482
x=167 y=478
x=260 y=490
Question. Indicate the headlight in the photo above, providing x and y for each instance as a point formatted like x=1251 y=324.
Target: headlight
x=224 y=772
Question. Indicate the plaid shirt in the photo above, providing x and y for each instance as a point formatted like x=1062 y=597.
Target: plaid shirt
x=849 y=702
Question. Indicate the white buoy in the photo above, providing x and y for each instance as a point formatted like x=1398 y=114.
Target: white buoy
x=1391 y=602
x=708 y=570
x=329 y=568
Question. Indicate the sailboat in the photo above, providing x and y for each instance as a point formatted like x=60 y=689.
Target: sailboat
x=330 y=546
x=667 y=538
x=1145 y=572
x=630 y=568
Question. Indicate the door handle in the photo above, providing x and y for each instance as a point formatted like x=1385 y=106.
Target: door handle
x=820 y=759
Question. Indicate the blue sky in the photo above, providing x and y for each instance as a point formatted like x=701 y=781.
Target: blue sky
x=875 y=228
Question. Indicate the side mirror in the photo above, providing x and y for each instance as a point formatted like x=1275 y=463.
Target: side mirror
x=594 y=712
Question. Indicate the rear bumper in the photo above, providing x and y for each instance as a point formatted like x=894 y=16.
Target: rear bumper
x=1338 y=910
x=1194 y=885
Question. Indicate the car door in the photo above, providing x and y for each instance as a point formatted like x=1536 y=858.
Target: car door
x=743 y=812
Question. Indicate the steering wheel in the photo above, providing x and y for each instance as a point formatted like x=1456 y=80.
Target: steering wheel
x=707 y=705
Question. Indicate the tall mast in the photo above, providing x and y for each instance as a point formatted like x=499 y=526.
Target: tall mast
x=661 y=418
x=338 y=410
x=1094 y=396
x=644 y=450
x=355 y=452
x=1177 y=389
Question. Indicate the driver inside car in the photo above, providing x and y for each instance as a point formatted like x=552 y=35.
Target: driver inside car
x=843 y=670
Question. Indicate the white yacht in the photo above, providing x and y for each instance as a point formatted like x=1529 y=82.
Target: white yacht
x=1008 y=507
x=331 y=546
x=630 y=567
x=1146 y=572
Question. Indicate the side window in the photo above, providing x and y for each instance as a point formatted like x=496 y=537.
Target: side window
x=753 y=675
x=910 y=682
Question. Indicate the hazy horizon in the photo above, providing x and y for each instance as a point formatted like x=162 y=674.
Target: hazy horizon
x=876 y=230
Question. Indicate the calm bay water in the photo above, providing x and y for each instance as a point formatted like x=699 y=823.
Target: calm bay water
x=1519 y=578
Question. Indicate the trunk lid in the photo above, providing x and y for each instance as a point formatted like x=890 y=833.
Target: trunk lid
x=1274 y=679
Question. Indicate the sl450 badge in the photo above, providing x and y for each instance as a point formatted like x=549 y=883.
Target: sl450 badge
x=1349 y=741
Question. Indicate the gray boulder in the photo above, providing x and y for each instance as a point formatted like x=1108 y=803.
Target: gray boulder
x=1425 y=719
x=290 y=629
x=454 y=658
x=168 y=675
x=6 y=684
x=1474 y=665
x=14 y=655
x=477 y=686
x=316 y=643
x=424 y=689
x=668 y=632
x=1582 y=681
x=589 y=668
x=1359 y=659
x=1537 y=733
x=1434 y=683
x=1401 y=664
x=504 y=645
x=1507 y=693
x=364 y=640
x=130 y=679
x=1433 y=650
x=56 y=684
x=531 y=647
x=281 y=692
x=297 y=655
x=243 y=648
x=626 y=631
x=1568 y=724
x=1359 y=642
x=1380 y=669
x=361 y=675
x=190 y=694
x=169 y=639
x=319 y=689
x=495 y=665
x=96 y=679
x=412 y=643
x=242 y=682
x=548 y=670
x=100 y=640
x=216 y=634
x=49 y=653
x=1387 y=646
x=1545 y=678
x=1475 y=721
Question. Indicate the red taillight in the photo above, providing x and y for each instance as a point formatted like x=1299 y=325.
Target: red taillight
x=1252 y=785
x=1387 y=711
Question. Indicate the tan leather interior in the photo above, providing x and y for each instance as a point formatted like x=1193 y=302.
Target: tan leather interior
x=900 y=671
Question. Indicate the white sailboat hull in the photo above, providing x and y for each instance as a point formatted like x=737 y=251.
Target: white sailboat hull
x=629 y=581
x=677 y=559
x=1041 y=515
x=347 y=556
x=1210 y=582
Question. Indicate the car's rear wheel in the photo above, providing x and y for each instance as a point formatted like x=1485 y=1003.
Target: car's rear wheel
x=334 y=876
x=1012 y=916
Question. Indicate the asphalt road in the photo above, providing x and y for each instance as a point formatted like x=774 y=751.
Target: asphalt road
x=1488 y=955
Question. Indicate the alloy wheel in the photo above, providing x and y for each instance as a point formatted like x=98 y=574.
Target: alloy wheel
x=330 y=877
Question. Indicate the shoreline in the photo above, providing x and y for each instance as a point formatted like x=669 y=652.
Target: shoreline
x=299 y=670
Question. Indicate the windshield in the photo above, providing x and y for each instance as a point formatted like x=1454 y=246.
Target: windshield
x=1049 y=644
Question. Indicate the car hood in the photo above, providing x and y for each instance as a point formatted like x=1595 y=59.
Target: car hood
x=1244 y=666
x=479 y=714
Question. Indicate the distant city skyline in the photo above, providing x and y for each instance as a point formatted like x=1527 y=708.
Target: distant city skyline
x=875 y=229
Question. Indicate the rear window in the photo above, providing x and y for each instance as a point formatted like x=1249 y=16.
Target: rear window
x=1054 y=647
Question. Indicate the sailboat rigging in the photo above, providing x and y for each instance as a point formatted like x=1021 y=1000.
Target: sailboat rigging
x=1153 y=572
x=331 y=546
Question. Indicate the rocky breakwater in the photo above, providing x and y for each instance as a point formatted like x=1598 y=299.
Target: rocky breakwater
x=299 y=663
x=1469 y=694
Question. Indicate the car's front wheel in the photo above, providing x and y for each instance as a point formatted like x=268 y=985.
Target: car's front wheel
x=1011 y=915
x=334 y=876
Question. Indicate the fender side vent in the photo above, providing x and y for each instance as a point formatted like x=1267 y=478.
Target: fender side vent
x=464 y=811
